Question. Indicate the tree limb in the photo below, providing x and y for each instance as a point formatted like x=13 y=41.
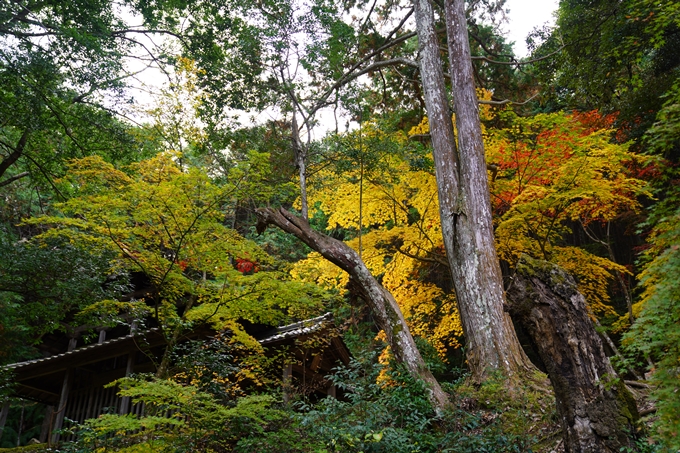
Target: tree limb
x=17 y=151
x=383 y=305
x=515 y=62
x=507 y=101
x=13 y=178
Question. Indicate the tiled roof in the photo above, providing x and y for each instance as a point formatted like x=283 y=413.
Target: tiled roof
x=86 y=349
x=280 y=333
x=297 y=329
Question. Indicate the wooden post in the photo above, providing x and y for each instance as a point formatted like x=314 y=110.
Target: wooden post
x=3 y=416
x=45 y=428
x=316 y=362
x=61 y=408
x=21 y=422
x=287 y=381
x=125 y=401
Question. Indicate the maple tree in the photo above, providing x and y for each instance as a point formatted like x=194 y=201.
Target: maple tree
x=166 y=223
x=401 y=232
x=554 y=172
x=557 y=173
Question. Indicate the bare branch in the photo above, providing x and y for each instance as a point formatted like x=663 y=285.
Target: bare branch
x=507 y=101
x=13 y=178
x=436 y=259
x=514 y=62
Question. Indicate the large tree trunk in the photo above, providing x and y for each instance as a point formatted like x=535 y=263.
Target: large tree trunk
x=596 y=411
x=464 y=204
x=381 y=302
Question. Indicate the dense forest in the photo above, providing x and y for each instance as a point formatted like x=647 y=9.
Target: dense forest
x=471 y=251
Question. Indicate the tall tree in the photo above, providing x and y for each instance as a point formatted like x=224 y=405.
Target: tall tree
x=464 y=204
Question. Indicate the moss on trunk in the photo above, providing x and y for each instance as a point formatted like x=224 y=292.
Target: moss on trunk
x=596 y=410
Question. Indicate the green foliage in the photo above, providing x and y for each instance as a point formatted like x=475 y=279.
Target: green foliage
x=398 y=418
x=38 y=290
x=182 y=418
x=209 y=365
x=23 y=422
x=657 y=331
x=617 y=56
x=663 y=141
x=52 y=93
x=165 y=223
x=371 y=416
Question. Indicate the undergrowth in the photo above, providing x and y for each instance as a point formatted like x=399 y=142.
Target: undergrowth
x=390 y=415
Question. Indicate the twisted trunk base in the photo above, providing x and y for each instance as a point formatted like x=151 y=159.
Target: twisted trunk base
x=596 y=410
x=382 y=303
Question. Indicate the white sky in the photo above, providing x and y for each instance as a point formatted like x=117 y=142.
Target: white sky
x=524 y=16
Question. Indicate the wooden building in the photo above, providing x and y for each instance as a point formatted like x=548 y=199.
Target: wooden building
x=71 y=384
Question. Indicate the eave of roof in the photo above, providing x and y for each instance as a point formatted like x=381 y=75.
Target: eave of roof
x=297 y=329
x=153 y=337
x=90 y=353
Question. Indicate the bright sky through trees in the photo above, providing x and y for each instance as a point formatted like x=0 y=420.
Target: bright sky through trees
x=524 y=16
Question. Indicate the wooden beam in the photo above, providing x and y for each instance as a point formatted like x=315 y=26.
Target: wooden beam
x=3 y=416
x=23 y=390
x=287 y=381
x=129 y=369
x=341 y=350
x=61 y=408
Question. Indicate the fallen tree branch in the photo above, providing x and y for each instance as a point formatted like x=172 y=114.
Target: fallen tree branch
x=382 y=303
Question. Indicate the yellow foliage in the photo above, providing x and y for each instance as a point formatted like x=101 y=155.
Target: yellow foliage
x=422 y=128
x=390 y=249
x=593 y=274
x=553 y=172
x=486 y=111
x=341 y=200
x=385 y=357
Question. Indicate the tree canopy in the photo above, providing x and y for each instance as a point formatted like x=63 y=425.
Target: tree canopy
x=410 y=161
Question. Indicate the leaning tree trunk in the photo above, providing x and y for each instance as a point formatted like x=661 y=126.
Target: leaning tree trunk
x=464 y=204
x=382 y=303
x=596 y=411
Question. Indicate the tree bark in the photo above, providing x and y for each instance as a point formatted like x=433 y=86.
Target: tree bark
x=382 y=303
x=301 y=163
x=464 y=204
x=17 y=151
x=596 y=410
